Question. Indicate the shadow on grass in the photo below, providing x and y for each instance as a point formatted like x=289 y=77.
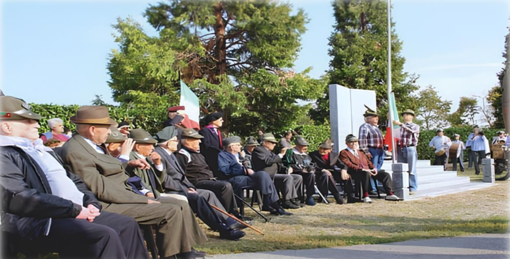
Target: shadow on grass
x=378 y=230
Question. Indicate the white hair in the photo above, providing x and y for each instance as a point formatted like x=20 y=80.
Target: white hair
x=53 y=122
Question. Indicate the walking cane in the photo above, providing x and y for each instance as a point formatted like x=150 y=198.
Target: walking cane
x=256 y=211
x=236 y=219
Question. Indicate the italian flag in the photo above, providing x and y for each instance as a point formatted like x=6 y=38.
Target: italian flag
x=190 y=101
x=396 y=128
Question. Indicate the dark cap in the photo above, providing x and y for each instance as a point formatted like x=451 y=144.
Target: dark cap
x=141 y=136
x=455 y=135
x=408 y=111
x=251 y=141
x=500 y=132
x=269 y=137
x=231 y=140
x=212 y=117
x=439 y=130
x=190 y=133
x=123 y=124
x=300 y=141
x=369 y=112
x=328 y=144
x=166 y=134
x=115 y=136
x=175 y=108
x=351 y=138
x=12 y=108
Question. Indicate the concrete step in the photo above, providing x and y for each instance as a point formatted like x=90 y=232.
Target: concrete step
x=445 y=184
x=434 y=192
x=437 y=176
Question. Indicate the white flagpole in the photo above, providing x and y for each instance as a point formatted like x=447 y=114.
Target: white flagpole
x=393 y=149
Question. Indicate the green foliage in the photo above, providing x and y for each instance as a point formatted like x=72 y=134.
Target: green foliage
x=432 y=109
x=314 y=134
x=359 y=51
x=427 y=153
x=495 y=99
x=466 y=112
x=147 y=118
x=236 y=56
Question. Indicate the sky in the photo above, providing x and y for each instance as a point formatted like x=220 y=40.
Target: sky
x=57 y=51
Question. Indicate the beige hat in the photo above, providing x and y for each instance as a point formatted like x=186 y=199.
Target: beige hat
x=98 y=115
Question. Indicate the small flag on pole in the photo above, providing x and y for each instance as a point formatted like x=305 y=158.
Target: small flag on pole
x=396 y=128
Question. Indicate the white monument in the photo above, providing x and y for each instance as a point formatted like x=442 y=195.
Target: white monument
x=346 y=108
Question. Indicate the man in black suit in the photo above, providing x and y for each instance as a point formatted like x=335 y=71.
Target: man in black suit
x=199 y=199
x=198 y=171
x=212 y=143
x=326 y=179
x=291 y=185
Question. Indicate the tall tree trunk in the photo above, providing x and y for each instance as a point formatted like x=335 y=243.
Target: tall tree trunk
x=220 y=50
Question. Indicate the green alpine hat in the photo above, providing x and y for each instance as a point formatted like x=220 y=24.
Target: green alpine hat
x=12 y=108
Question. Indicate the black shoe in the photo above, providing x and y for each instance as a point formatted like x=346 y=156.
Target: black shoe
x=372 y=192
x=352 y=200
x=238 y=226
x=280 y=212
x=198 y=253
x=187 y=255
x=477 y=173
x=339 y=199
x=231 y=234
x=289 y=205
x=298 y=203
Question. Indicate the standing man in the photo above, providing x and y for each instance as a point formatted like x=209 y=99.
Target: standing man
x=371 y=141
x=479 y=147
x=460 y=153
x=471 y=154
x=409 y=133
x=212 y=142
x=441 y=144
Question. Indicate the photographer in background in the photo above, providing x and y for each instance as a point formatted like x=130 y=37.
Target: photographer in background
x=479 y=147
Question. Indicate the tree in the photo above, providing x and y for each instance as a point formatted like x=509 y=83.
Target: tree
x=487 y=111
x=99 y=101
x=236 y=56
x=465 y=114
x=359 y=51
x=432 y=110
x=495 y=95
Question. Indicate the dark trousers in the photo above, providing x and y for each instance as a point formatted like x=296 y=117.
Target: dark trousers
x=471 y=158
x=385 y=180
x=479 y=155
x=110 y=235
x=199 y=203
x=460 y=160
x=308 y=183
x=358 y=176
x=441 y=160
x=325 y=183
x=291 y=185
x=223 y=191
x=259 y=180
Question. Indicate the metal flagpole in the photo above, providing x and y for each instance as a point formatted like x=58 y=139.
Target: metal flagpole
x=393 y=147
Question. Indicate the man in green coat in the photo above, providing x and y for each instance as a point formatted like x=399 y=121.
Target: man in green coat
x=106 y=177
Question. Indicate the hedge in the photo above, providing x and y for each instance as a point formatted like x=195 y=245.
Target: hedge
x=150 y=121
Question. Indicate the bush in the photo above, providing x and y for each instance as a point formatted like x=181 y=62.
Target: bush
x=149 y=120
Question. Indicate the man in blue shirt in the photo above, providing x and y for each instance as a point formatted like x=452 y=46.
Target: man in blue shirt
x=478 y=143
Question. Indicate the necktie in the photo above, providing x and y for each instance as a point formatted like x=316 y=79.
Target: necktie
x=219 y=137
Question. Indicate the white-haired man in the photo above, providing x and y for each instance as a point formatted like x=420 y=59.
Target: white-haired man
x=56 y=126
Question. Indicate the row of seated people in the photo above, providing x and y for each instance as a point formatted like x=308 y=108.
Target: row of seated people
x=128 y=177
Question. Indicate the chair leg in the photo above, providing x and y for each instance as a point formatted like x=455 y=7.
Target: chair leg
x=149 y=233
x=259 y=198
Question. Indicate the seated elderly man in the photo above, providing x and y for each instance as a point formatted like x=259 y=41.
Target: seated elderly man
x=361 y=168
x=198 y=172
x=241 y=176
x=251 y=144
x=49 y=205
x=303 y=166
x=57 y=129
x=106 y=176
x=326 y=179
x=199 y=199
x=263 y=159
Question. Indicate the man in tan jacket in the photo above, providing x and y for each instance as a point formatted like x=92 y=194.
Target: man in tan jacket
x=105 y=176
